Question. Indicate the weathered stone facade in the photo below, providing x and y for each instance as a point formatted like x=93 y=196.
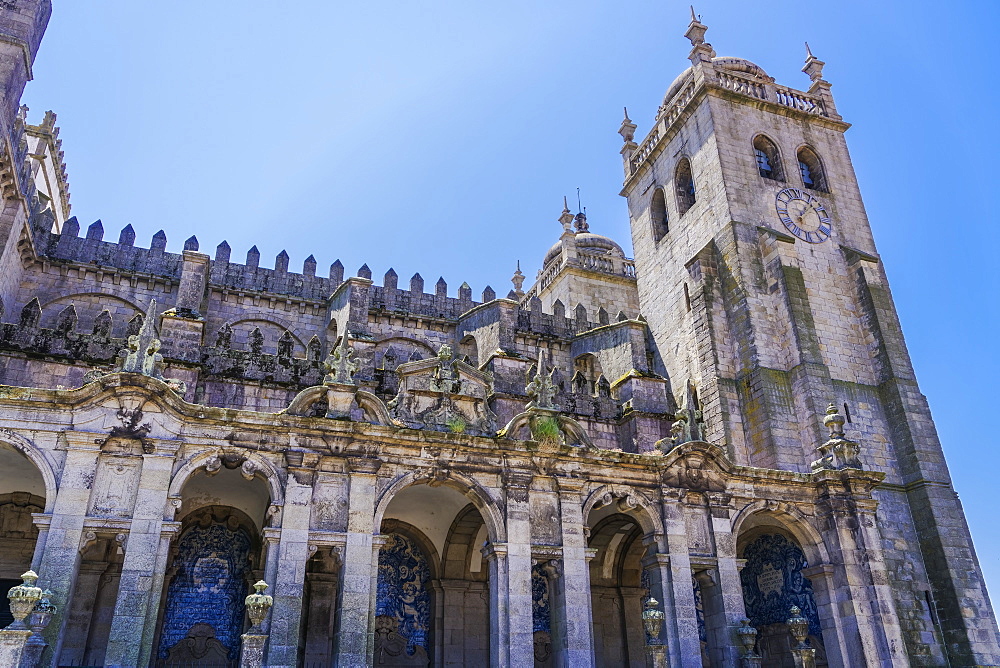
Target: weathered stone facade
x=729 y=425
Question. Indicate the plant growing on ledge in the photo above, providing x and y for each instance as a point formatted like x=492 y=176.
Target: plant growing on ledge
x=546 y=430
x=457 y=424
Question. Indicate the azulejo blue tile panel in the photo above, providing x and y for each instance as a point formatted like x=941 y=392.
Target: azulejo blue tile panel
x=209 y=586
x=773 y=582
x=402 y=589
x=541 y=616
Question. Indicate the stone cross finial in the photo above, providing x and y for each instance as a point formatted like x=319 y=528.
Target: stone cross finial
x=340 y=364
x=541 y=389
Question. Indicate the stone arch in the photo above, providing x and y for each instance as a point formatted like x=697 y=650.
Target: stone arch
x=629 y=501
x=272 y=328
x=468 y=346
x=460 y=546
x=778 y=542
x=811 y=164
x=488 y=507
x=659 y=219
x=792 y=520
x=405 y=344
x=121 y=309
x=37 y=457
x=684 y=185
x=272 y=476
x=767 y=158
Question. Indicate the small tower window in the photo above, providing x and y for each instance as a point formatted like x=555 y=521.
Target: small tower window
x=658 y=213
x=768 y=158
x=684 y=182
x=812 y=170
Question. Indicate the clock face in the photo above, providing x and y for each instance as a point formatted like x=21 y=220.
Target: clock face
x=803 y=215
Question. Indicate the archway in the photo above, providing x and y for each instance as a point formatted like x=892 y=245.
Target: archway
x=215 y=558
x=431 y=603
x=618 y=587
x=22 y=492
x=773 y=581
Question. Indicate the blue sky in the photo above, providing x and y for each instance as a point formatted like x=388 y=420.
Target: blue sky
x=440 y=137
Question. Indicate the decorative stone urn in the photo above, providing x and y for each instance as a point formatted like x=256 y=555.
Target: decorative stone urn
x=748 y=638
x=652 y=620
x=258 y=604
x=798 y=626
x=22 y=599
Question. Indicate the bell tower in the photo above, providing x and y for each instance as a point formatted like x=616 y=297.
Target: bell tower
x=758 y=275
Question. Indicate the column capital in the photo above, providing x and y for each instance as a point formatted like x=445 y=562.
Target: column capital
x=494 y=550
x=570 y=485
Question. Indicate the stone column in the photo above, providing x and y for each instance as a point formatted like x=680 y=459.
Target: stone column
x=42 y=522
x=168 y=532
x=130 y=640
x=61 y=555
x=354 y=637
x=727 y=594
x=293 y=553
x=78 y=621
x=496 y=561
x=684 y=646
x=864 y=602
x=576 y=647
x=520 y=642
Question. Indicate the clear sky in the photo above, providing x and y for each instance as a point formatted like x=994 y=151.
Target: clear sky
x=440 y=137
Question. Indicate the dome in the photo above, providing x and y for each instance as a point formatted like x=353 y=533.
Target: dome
x=589 y=243
x=741 y=65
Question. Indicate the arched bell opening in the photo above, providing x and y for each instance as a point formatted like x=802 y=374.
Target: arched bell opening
x=773 y=581
x=215 y=558
x=431 y=604
x=618 y=587
x=22 y=493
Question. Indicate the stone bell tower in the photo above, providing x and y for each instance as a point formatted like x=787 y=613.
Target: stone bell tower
x=759 y=278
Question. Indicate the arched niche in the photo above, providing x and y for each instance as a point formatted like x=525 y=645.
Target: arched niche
x=440 y=530
x=775 y=556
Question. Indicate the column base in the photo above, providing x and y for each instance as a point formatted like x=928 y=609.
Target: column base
x=751 y=661
x=32 y=653
x=804 y=658
x=657 y=656
x=252 y=652
x=12 y=646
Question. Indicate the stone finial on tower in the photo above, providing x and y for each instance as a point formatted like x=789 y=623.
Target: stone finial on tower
x=159 y=242
x=417 y=284
x=191 y=244
x=365 y=272
x=813 y=66
x=566 y=218
x=701 y=51
x=839 y=452
x=309 y=266
x=696 y=29
x=627 y=129
x=391 y=279
x=518 y=279
x=441 y=287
